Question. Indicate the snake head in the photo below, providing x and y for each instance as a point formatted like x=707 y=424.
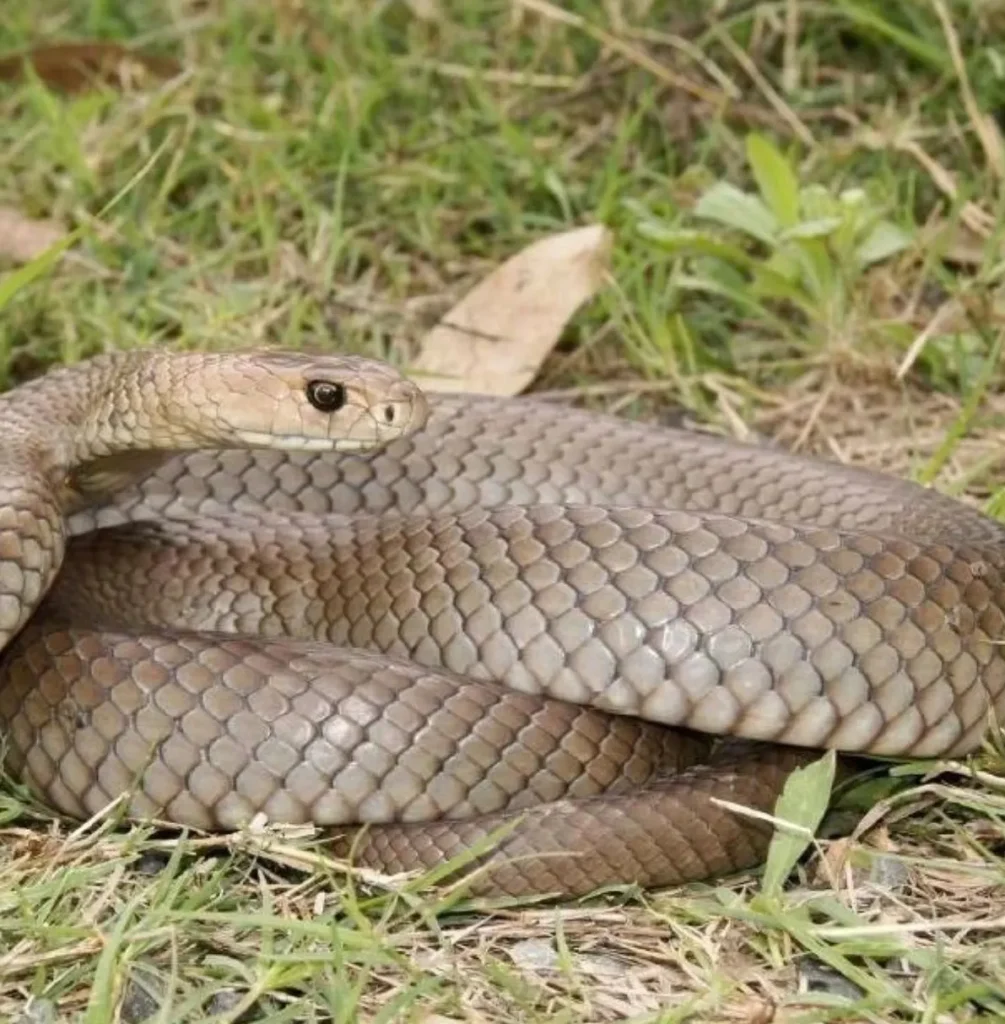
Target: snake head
x=291 y=401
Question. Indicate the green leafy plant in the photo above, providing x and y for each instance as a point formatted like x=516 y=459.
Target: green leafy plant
x=801 y=807
x=783 y=247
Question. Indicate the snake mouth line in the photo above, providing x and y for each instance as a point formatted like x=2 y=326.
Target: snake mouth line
x=300 y=443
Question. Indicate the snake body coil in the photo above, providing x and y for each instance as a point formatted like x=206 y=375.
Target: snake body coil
x=479 y=613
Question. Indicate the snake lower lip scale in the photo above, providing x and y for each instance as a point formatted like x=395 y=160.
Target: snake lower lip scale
x=299 y=443
x=419 y=633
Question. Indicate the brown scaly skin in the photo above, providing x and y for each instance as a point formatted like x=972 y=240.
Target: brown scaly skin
x=76 y=431
x=209 y=640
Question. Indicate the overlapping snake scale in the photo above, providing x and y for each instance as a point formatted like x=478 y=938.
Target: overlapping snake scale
x=246 y=584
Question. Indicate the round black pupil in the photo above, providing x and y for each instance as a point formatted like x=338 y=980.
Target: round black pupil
x=326 y=396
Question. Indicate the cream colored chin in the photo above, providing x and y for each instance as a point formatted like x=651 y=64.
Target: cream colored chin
x=298 y=443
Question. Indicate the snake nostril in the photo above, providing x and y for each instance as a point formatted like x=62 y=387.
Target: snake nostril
x=388 y=413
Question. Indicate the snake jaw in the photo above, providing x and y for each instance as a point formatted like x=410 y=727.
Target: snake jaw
x=303 y=443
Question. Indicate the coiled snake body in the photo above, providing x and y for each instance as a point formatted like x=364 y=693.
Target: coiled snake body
x=294 y=585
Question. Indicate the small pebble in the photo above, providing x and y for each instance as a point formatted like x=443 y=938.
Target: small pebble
x=536 y=954
x=817 y=977
x=225 y=999
x=889 y=872
x=151 y=863
x=38 y=1011
x=140 y=1001
x=540 y=955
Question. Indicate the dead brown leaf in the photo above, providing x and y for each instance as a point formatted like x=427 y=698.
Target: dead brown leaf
x=74 y=67
x=495 y=339
x=425 y=10
x=23 y=239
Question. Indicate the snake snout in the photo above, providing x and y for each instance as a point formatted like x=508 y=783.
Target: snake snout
x=402 y=409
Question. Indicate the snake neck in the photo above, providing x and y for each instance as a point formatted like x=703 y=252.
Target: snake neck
x=104 y=421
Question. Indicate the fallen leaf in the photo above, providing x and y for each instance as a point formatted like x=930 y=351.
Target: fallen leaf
x=74 y=67
x=495 y=339
x=23 y=239
x=957 y=243
x=425 y=10
x=833 y=862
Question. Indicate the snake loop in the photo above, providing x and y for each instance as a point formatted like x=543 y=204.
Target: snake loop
x=251 y=583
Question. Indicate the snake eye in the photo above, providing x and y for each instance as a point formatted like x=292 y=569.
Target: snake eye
x=326 y=396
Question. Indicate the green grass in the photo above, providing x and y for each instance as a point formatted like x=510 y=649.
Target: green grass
x=339 y=173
